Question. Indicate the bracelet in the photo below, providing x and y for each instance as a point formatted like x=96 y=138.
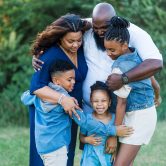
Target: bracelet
x=60 y=98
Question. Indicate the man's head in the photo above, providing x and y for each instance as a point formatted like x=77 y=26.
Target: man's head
x=102 y=13
x=63 y=74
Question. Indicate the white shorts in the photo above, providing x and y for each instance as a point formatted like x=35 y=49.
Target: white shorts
x=55 y=158
x=143 y=122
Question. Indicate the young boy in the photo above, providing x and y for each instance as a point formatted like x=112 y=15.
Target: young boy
x=53 y=125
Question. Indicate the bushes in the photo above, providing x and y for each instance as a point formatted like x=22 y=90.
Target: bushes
x=20 y=20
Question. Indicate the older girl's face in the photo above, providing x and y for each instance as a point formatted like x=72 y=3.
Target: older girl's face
x=115 y=48
x=72 y=41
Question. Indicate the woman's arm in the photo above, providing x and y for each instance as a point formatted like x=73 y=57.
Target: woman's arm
x=68 y=103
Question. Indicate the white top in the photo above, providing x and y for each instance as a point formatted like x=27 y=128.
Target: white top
x=99 y=64
x=124 y=91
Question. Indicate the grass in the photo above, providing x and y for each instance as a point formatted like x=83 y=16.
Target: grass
x=14 y=148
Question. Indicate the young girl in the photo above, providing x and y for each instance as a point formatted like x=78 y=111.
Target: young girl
x=135 y=101
x=93 y=153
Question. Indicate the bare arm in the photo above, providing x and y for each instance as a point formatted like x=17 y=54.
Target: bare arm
x=145 y=70
x=156 y=88
x=68 y=103
x=120 y=110
x=47 y=94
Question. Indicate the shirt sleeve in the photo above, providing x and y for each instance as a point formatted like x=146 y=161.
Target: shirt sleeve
x=143 y=43
x=124 y=91
x=40 y=78
x=93 y=126
x=46 y=106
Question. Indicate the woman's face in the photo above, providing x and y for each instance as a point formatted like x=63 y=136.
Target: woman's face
x=72 y=41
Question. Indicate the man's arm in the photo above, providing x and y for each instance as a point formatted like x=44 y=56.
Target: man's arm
x=145 y=70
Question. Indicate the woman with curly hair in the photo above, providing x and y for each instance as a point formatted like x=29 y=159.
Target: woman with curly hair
x=62 y=40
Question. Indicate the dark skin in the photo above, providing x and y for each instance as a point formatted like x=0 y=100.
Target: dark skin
x=145 y=70
x=101 y=14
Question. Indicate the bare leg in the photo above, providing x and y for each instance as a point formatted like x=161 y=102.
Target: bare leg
x=126 y=154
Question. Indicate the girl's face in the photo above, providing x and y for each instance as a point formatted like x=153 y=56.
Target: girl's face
x=115 y=48
x=100 y=101
x=72 y=41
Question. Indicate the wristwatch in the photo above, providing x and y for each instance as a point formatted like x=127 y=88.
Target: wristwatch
x=125 y=79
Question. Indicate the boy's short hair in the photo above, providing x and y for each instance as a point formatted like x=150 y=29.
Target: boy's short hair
x=60 y=66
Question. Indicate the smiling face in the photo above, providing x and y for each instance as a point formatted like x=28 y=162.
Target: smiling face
x=100 y=101
x=115 y=48
x=65 y=79
x=71 y=41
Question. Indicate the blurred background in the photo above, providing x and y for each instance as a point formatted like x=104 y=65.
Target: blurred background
x=21 y=20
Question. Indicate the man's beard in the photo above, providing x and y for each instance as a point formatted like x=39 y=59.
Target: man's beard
x=99 y=41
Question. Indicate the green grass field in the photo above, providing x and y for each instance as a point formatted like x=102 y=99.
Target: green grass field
x=14 y=150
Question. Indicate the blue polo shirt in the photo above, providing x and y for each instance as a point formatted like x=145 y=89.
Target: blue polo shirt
x=42 y=78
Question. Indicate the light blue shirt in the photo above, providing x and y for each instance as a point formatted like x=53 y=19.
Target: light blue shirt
x=53 y=125
x=141 y=95
x=95 y=155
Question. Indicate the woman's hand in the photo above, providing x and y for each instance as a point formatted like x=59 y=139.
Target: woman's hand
x=70 y=104
x=93 y=140
x=36 y=62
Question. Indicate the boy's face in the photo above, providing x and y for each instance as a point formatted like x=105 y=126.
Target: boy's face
x=100 y=101
x=65 y=79
x=115 y=48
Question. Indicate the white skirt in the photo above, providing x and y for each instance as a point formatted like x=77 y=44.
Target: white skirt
x=143 y=123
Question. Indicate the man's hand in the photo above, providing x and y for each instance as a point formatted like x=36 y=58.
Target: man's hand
x=70 y=105
x=36 y=62
x=111 y=145
x=124 y=131
x=114 y=81
x=93 y=140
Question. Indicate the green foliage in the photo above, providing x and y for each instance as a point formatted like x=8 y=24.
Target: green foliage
x=21 y=20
